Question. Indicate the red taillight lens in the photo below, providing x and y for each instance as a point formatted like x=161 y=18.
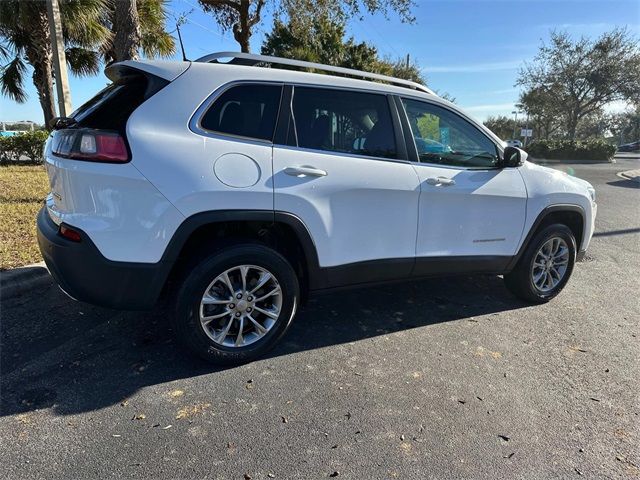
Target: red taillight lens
x=70 y=234
x=89 y=144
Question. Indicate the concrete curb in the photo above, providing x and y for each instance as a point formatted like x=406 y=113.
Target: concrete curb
x=546 y=161
x=633 y=175
x=19 y=280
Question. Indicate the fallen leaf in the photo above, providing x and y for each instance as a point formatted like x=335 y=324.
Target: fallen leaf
x=139 y=416
x=510 y=455
x=190 y=411
x=167 y=427
x=505 y=437
x=334 y=474
x=284 y=419
x=575 y=348
x=176 y=393
x=481 y=352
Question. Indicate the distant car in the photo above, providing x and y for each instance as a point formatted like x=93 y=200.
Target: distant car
x=514 y=143
x=630 y=147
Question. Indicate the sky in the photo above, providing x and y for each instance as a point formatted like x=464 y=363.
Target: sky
x=471 y=49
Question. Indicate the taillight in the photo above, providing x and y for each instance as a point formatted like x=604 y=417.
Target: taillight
x=90 y=144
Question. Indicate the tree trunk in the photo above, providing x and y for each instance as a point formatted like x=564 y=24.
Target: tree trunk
x=572 y=125
x=126 y=26
x=43 y=81
x=242 y=30
x=40 y=57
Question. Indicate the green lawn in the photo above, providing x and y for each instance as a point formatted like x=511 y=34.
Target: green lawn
x=22 y=191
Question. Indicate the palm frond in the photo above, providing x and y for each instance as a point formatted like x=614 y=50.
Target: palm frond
x=82 y=61
x=83 y=22
x=155 y=41
x=12 y=80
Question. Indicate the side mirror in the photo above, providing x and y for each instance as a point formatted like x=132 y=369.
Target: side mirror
x=513 y=157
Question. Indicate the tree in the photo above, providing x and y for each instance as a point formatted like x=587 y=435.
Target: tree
x=582 y=77
x=625 y=126
x=126 y=30
x=89 y=32
x=501 y=125
x=137 y=26
x=241 y=16
x=25 y=30
x=546 y=115
x=322 y=41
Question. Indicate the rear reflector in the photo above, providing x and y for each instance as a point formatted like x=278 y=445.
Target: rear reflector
x=90 y=145
x=70 y=234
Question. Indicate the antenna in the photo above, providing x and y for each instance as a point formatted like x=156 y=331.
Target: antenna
x=181 y=20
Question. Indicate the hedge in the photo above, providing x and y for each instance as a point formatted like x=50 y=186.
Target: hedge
x=571 y=149
x=27 y=144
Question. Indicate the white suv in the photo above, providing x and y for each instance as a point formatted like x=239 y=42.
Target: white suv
x=237 y=190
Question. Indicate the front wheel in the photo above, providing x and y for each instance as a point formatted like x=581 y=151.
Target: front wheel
x=235 y=305
x=546 y=265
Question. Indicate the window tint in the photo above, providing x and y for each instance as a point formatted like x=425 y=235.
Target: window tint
x=245 y=110
x=112 y=106
x=445 y=138
x=342 y=121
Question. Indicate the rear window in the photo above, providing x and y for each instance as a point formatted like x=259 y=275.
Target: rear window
x=110 y=108
x=245 y=110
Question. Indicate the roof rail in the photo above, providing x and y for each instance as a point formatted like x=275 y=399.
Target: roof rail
x=252 y=60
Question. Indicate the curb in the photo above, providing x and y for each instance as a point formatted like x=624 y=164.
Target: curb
x=19 y=280
x=551 y=161
x=633 y=175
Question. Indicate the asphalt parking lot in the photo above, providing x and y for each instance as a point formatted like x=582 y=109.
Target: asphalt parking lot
x=448 y=378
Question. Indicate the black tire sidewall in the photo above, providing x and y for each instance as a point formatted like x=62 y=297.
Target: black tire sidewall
x=187 y=318
x=556 y=230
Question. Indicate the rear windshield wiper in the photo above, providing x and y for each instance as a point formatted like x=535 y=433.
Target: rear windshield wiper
x=57 y=123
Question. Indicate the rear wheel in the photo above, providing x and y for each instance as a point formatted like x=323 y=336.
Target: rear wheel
x=235 y=305
x=545 y=266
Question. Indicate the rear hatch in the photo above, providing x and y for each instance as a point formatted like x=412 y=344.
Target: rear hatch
x=91 y=145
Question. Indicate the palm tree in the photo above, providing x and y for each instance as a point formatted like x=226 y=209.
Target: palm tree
x=89 y=32
x=137 y=25
x=24 y=29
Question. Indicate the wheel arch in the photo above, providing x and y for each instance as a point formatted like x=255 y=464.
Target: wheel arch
x=282 y=231
x=573 y=216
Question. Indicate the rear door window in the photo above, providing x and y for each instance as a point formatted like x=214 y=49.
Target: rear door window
x=344 y=121
x=246 y=111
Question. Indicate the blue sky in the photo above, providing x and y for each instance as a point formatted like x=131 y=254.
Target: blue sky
x=471 y=49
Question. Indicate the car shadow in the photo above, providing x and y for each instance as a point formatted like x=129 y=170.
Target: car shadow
x=625 y=183
x=73 y=357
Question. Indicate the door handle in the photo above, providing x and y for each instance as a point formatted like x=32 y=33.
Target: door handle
x=441 y=181
x=305 y=171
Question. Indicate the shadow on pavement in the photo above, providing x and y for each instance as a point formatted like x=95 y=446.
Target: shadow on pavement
x=75 y=358
x=625 y=183
x=626 y=231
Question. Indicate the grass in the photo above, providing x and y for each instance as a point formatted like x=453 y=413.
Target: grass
x=22 y=191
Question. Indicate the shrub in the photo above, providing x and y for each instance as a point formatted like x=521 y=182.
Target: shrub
x=571 y=149
x=27 y=144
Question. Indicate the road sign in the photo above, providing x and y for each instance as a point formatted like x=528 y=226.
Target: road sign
x=526 y=132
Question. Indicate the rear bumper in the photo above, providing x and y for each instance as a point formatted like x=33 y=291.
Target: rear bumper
x=85 y=274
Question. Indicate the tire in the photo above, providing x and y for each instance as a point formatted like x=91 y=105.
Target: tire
x=521 y=281
x=208 y=276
